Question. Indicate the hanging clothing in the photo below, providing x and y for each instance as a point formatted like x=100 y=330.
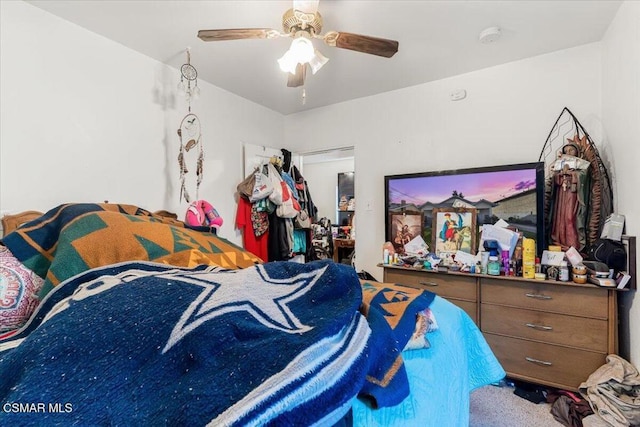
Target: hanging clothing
x=286 y=159
x=280 y=240
x=257 y=245
x=304 y=195
x=278 y=246
x=292 y=186
x=306 y=203
x=300 y=242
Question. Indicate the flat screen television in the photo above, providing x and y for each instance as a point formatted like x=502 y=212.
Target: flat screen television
x=424 y=203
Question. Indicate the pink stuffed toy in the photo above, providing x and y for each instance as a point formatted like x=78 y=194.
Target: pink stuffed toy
x=201 y=213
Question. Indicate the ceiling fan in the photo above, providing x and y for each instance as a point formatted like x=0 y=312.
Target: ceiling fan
x=303 y=23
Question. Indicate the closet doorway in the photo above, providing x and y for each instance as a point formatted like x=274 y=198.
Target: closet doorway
x=325 y=172
x=320 y=169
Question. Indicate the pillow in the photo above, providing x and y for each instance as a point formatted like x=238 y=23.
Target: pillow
x=19 y=289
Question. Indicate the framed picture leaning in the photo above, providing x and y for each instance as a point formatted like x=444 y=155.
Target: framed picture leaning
x=404 y=227
x=454 y=229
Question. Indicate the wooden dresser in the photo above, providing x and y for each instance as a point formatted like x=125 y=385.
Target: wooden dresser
x=545 y=332
x=462 y=290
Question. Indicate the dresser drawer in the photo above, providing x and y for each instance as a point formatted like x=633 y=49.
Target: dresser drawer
x=562 y=299
x=572 y=331
x=545 y=363
x=448 y=286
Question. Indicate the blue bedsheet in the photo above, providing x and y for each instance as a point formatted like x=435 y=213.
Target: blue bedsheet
x=441 y=377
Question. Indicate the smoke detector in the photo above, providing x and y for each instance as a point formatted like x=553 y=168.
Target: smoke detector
x=489 y=35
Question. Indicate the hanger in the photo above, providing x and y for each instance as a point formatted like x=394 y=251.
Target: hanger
x=276 y=161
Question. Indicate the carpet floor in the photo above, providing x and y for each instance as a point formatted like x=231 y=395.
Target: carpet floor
x=498 y=406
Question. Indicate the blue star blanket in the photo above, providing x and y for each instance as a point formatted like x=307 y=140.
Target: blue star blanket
x=139 y=343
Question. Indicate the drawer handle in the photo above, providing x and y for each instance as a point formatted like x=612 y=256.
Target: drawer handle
x=429 y=283
x=538 y=296
x=539 y=362
x=542 y=327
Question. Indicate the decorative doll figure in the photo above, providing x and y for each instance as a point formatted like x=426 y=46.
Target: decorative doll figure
x=568 y=198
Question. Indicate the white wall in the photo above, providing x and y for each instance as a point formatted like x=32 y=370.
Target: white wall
x=621 y=119
x=86 y=119
x=323 y=180
x=506 y=118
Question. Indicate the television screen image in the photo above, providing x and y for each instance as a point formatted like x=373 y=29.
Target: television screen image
x=513 y=193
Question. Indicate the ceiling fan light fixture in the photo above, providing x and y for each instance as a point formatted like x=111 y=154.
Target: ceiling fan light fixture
x=317 y=61
x=302 y=24
x=288 y=62
x=302 y=49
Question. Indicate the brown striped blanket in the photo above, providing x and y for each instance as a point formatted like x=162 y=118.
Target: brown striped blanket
x=76 y=237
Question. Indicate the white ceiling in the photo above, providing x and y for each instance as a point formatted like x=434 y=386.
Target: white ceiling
x=437 y=39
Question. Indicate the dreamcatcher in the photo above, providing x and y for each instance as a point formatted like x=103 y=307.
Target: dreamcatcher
x=568 y=136
x=190 y=133
x=189 y=74
x=190 y=137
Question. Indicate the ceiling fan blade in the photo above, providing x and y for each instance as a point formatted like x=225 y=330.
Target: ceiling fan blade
x=235 y=34
x=365 y=44
x=306 y=6
x=297 y=79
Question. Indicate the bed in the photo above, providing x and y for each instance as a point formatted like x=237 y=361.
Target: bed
x=141 y=320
